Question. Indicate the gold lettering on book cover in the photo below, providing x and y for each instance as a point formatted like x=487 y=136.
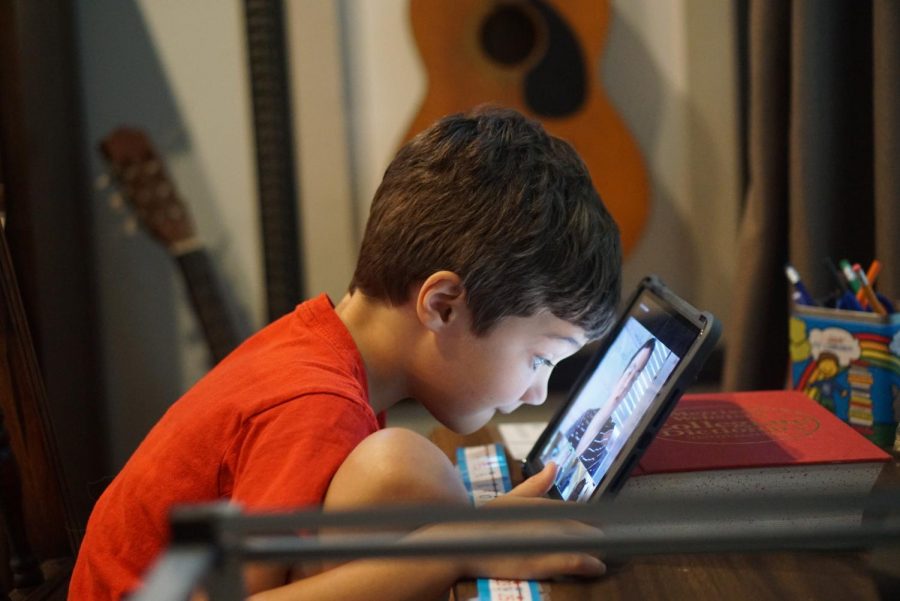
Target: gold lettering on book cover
x=717 y=425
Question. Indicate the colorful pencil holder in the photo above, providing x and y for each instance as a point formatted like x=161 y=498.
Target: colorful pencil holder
x=849 y=361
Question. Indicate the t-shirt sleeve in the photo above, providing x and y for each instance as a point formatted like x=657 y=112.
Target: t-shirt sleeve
x=287 y=455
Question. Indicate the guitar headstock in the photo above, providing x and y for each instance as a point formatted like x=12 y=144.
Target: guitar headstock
x=145 y=186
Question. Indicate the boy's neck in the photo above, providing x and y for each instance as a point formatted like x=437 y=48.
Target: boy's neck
x=383 y=333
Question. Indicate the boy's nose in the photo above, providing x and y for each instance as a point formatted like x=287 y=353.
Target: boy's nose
x=536 y=394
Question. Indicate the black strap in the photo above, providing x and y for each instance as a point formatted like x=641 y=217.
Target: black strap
x=277 y=188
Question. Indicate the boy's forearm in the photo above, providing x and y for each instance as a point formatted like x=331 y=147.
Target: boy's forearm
x=372 y=580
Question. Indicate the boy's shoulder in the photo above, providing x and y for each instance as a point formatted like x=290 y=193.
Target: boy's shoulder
x=311 y=334
x=306 y=352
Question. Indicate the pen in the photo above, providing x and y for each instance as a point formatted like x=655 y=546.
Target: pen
x=871 y=275
x=847 y=300
x=867 y=290
x=800 y=294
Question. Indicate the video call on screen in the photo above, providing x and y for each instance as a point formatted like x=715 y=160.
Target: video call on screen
x=621 y=388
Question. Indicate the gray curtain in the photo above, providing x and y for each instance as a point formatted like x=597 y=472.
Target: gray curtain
x=823 y=165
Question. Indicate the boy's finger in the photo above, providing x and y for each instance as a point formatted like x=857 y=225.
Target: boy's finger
x=573 y=564
x=550 y=566
x=538 y=484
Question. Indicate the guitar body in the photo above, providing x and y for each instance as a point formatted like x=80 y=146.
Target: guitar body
x=542 y=58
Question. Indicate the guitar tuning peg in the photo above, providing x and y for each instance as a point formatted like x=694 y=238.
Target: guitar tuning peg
x=152 y=167
x=116 y=201
x=163 y=190
x=102 y=182
x=130 y=226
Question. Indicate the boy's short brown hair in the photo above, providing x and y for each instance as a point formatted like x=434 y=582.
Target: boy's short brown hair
x=491 y=196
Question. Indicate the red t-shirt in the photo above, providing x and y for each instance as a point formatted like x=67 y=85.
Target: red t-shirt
x=267 y=428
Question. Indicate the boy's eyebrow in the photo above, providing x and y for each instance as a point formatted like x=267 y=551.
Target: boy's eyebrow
x=568 y=339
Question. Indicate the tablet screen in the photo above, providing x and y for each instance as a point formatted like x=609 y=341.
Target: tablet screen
x=610 y=406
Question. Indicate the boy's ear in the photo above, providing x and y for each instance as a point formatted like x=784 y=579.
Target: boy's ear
x=441 y=301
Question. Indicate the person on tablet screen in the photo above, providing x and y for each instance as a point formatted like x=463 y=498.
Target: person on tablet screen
x=591 y=433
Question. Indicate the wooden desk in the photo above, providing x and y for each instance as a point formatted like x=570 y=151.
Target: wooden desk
x=733 y=576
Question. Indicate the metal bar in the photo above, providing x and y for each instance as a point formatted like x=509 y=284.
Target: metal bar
x=604 y=512
x=225 y=581
x=177 y=573
x=624 y=543
x=636 y=528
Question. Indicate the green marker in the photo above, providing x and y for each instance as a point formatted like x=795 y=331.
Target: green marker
x=850 y=275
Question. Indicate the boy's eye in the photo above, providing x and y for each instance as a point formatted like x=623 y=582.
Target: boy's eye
x=537 y=362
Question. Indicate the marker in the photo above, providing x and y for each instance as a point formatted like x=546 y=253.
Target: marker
x=851 y=277
x=846 y=300
x=871 y=275
x=800 y=294
x=867 y=290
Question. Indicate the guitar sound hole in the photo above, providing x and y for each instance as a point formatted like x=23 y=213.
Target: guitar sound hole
x=508 y=35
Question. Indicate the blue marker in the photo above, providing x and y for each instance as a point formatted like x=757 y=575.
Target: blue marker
x=800 y=294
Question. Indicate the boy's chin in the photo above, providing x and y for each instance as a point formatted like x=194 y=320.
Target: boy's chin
x=469 y=423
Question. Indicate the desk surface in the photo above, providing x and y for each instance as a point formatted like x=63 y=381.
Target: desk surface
x=782 y=575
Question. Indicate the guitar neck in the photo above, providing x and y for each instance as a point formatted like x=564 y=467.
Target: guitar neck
x=206 y=297
x=145 y=185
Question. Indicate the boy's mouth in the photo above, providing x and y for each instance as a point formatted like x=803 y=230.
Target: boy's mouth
x=507 y=409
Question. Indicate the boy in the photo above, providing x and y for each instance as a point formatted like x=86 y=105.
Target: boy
x=487 y=258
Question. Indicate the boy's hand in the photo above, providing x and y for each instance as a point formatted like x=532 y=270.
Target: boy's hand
x=528 y=567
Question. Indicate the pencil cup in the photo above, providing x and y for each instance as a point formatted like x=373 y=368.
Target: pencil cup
x=849 y=361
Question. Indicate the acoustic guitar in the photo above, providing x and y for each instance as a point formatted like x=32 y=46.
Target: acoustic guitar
x=141 y=176
x=542 y=58
x=35 y=507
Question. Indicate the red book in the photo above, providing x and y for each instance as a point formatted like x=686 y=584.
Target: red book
x=754 y=442
x=779 y=428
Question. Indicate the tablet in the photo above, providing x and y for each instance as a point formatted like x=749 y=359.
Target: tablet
x=625 y=393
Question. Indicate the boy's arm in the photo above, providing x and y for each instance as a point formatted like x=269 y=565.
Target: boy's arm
x=373 y=580
x=414 y=579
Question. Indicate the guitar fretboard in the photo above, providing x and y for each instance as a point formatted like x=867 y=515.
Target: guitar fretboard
x=208 y=303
